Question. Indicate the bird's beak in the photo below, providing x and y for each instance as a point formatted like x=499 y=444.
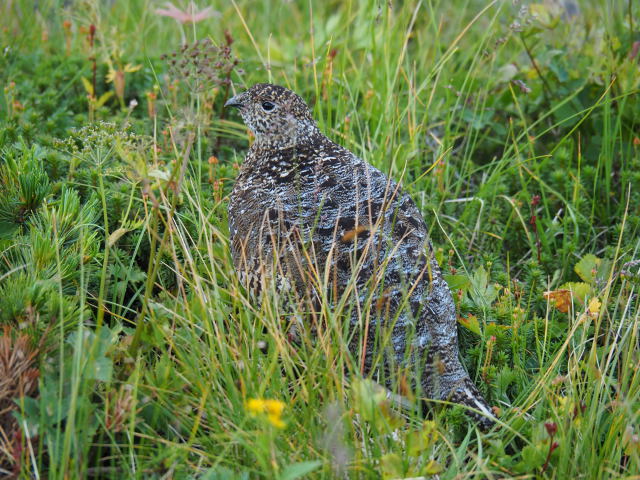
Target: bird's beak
x=234 y=101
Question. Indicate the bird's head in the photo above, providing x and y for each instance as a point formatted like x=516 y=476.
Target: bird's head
x=275 y=115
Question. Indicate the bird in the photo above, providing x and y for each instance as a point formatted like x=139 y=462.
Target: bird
x=313 y=220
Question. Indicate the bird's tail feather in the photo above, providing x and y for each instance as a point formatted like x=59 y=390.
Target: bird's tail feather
x=467 y=394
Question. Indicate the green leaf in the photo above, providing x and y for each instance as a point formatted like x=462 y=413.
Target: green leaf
x=391 y=466
x=30 y=415
x=87 y=86
x=421 y=440
x=223 y=473
x=371 y=402
x=103 y=98
x=482 y=293
x=533 y=457
x=507 y=72
x=587 y=268
x=298 y=470
x=470 y=322
x=103 y=367
x=541 y=11
x=458 y=282
x=160 y=174
x=433 y=468
x=579 y=290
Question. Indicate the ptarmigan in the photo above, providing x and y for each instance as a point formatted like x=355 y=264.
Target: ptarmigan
x=320 y=222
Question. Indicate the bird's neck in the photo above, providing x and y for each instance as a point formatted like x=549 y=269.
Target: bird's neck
x=303 y=135
x=278 y=161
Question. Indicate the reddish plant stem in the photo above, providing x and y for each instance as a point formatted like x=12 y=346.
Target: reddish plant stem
x=552 y=447
x=94 y=68
x=534 y=222
x=552 y=429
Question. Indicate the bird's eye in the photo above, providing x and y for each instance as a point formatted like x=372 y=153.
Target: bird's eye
x=268 y=106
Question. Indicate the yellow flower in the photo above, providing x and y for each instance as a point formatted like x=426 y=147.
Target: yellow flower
x=128 y=68
x=272 y=409
x=563 y=404
x=594 y=306
x=116 y=76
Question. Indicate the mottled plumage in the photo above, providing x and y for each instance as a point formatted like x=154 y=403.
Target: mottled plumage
x=314 y=218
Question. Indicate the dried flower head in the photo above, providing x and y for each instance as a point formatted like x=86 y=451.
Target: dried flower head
x=118 y=409
x=203 y=65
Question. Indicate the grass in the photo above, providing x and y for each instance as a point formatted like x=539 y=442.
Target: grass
x=513 y=126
